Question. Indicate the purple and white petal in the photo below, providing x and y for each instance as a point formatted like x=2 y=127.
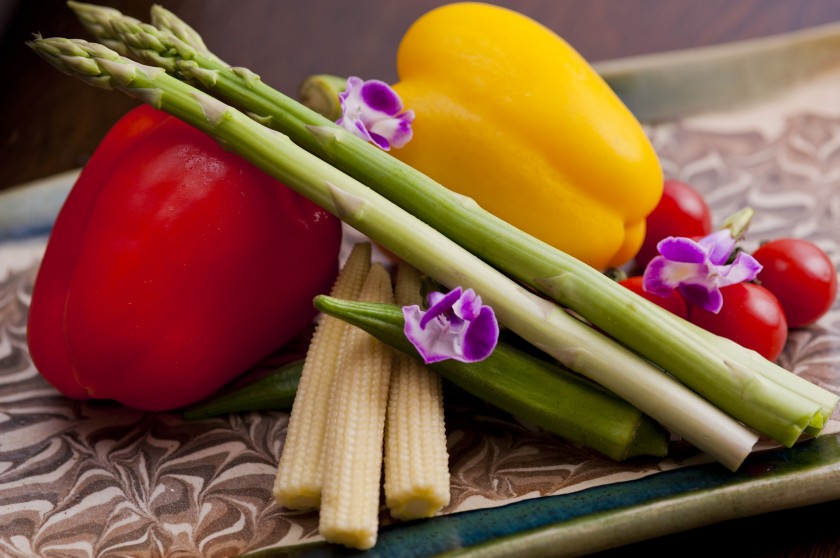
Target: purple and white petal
x=441 y=306
x=681 y=249
x=378 y=96
x=380 y=141
x=743 y=268
x=351 y=104
x=359 y=128
x=718 y=246
x=435 y=342
x=655 y=279
x=468 y=305
x=481 y=336
x=663 y=275
x=435 y=296
x=397 y=129
x=702 y=294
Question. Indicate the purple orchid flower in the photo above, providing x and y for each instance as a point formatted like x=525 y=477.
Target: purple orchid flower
x=456 y=326
x=373 y=111
x=698 y=270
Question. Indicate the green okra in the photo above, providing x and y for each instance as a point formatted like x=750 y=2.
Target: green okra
x=273 y=392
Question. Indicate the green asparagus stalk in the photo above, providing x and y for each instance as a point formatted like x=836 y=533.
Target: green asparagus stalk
x=97 y=21
x=535 y=319
x=748 y=387
x=529 y=388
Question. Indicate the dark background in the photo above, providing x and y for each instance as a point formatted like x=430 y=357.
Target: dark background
x=51 y=123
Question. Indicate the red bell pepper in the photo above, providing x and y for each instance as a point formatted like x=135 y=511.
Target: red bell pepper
x=172 y=267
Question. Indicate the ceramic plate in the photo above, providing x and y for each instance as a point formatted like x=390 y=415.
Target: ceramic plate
x=98 y=479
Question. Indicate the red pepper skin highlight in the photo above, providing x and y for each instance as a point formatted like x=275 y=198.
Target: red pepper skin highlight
x=172 y=268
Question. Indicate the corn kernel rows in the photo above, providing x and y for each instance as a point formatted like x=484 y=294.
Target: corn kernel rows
x=354 y=389
x=353 y=456
x=300 y=472
x=416 y=459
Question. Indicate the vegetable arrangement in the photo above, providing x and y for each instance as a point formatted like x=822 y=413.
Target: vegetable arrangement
x=786 y=406
x=700 y=386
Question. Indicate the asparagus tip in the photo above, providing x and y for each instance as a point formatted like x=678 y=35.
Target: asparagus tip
x=166 y=21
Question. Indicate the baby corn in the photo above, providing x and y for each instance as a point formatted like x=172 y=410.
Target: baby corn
x=355 y=428
x=300 y=472
x=416 y=459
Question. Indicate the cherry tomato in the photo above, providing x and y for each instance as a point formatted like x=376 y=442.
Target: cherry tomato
x=673 y=303
x=802 y=277
x=751 y=316
x=681 y=211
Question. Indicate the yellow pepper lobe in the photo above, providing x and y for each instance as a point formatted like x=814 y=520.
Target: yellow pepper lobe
x=511 y=115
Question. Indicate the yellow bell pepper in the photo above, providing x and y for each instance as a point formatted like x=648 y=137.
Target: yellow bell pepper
x=510 y=115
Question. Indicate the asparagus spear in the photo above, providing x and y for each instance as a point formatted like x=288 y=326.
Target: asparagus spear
x=539 y=321
x=748 y=387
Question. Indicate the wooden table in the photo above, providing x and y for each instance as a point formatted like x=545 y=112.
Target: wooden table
x=51 y=123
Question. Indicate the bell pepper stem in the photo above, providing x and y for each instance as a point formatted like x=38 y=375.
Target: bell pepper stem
x=540 y=321
x=320 y=93
x=716 y=369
